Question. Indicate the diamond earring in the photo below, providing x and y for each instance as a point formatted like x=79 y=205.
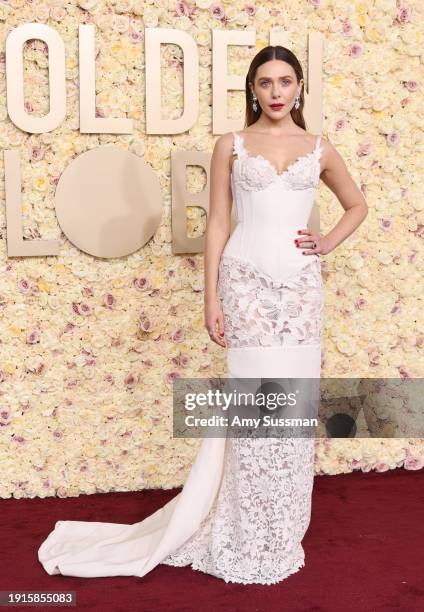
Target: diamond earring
x=254 y=105
x=297 y=102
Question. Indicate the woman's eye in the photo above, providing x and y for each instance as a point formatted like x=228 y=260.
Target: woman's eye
x=285 y=82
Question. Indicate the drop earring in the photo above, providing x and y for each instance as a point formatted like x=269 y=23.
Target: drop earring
x=254 y=105
x=297 y=102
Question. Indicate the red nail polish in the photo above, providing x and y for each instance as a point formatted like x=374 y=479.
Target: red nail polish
x=299 y=232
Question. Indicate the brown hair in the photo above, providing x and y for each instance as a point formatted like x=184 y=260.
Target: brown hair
x=265 y=55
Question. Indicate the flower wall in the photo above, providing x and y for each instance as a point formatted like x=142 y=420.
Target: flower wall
x=89 y=348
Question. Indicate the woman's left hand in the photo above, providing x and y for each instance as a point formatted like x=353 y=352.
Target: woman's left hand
x=312 y=242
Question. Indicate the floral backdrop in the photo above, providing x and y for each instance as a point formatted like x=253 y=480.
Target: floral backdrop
x=90 y=348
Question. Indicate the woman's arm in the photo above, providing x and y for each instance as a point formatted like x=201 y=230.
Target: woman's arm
x=337 y=178
x=218 y=228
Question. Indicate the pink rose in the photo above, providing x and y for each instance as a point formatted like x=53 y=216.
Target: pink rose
x=404 y=14
x=393 y=138
x=24 y=286
x=250 y=10
x=347 y=28
x=145 y=324
x=109 y=300
x=33 y=337
x=217 y=11
x=171 y=376
x=411 y=85
x=181 y=9
x=355 y=50
x=141 y=283
x=131 y=380
x=413 y=462
x=340 y=125
x=177 y=335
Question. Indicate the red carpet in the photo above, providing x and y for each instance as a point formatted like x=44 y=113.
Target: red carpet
x=364 y=552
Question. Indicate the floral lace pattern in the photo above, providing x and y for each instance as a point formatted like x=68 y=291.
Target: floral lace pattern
x=255 y=172
x=254 y=530
x=262 y=311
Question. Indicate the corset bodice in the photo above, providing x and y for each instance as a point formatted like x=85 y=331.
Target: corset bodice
x=270 y=207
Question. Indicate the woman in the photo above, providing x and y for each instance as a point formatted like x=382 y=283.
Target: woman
x=245 y=506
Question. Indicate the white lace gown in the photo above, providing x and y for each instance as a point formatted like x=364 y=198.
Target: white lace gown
x=246 y=504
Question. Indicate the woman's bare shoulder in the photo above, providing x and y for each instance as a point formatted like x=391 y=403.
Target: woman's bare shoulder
x=223 y=149
x=330 y=157
x=224 y=145
x=224 y=142
x=327 y=146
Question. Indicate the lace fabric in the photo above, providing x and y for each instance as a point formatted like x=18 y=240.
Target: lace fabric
x=253 y=533
x=262 y=311
x=255 y=172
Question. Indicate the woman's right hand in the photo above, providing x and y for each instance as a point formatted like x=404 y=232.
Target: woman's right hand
x=214 y=322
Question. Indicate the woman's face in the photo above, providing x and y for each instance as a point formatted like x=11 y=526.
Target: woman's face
x=276 y=83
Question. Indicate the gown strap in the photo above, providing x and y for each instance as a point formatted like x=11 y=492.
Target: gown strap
x=238 y=148
x=317 y=144
x=318 y=153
